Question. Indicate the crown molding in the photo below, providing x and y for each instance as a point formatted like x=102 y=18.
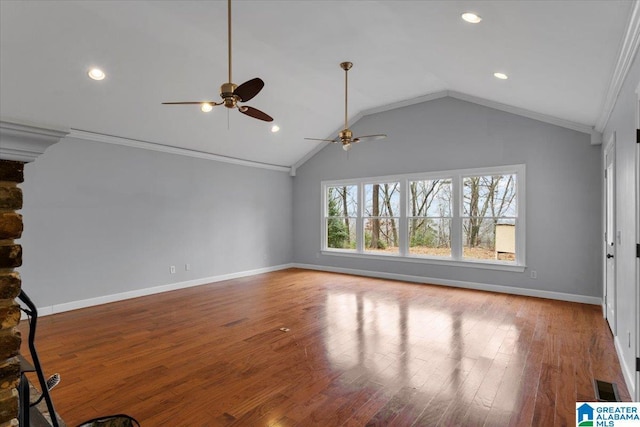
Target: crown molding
x=596 y=136
x=628 y=50
x=25 y=142
x=405 y=103
x=134 y=143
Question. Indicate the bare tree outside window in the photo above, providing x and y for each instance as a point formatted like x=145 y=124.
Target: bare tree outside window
x=430 y=217
x=342 y=212
x=489 y=202
x=381 y=217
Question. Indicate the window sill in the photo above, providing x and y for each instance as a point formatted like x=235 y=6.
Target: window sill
x=485 y=265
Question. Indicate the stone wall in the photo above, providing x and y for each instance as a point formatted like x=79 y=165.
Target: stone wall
x=11 y=174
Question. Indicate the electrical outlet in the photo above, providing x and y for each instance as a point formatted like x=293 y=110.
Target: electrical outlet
x=534 y=274
x=172 y=269
x=187 y=267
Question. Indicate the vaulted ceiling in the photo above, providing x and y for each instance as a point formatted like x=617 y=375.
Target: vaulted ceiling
x=560 y=57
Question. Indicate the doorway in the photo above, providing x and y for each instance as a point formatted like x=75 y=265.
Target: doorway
x=610 y=237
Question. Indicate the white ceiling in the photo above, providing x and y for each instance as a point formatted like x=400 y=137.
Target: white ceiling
x=560 y=56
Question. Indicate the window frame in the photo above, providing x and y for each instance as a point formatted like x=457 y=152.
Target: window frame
x=464 y=216
x=456 y=259
x=411 y=217
x=397 y=216
x=326 y=217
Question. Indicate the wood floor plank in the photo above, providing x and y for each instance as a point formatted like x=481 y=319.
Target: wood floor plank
x=358 y=351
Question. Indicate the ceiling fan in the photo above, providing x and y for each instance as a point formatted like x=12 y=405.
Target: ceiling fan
x=231 y=93
x=346 y=135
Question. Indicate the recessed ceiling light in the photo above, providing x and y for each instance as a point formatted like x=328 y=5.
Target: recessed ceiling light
x=206 y=107
x=471 y=17
x=275 y=128
x=501 y=76
x=96 y=74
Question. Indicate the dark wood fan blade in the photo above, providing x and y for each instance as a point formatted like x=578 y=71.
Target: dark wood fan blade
x=249 y=89
x=317 y=139
x=255 y=113
x=369 y=137
x=191 y=102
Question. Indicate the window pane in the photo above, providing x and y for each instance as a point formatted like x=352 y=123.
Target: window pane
x=342 y=201
x=430 y=236
x=489 y=239
x=381 y=235
x=382 y=199
x=430 y=198
x=490 y=196
x=341 y=233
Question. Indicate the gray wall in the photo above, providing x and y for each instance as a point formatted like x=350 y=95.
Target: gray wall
x=563 y=194
x=102 y=219
x=623 y=122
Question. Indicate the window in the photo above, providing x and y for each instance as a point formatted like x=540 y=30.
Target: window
x=429 y=215
x=489 y=217
x=381 y=217
x=472 y=217
x=341 y=215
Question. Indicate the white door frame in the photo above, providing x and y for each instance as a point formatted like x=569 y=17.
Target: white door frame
x=637 y=384
x=609 y=248
x=637 y=397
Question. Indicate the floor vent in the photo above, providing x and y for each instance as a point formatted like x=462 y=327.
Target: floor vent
x=606 y=392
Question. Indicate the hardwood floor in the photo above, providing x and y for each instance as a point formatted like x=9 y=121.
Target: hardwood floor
x=359 y=351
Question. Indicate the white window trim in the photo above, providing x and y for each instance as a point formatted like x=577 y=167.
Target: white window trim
x=456 y=259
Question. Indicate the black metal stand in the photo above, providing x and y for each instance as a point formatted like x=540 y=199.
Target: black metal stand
x=23 y=390
x=24 y=386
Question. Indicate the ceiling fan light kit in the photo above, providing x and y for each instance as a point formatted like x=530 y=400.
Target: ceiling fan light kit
x=345 y=136
x=231 y=93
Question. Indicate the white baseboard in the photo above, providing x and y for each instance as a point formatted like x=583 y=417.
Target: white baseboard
x=90 y=302
x=627 y=372
x=458 y=284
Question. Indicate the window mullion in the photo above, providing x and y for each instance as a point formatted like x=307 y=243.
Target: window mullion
x=402 y=221
x=456 y=220
x=359 y=220
x=325 y=218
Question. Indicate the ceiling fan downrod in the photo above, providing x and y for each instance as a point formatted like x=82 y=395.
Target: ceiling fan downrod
x=231 y=93
x=345 y=136
x=227 y=89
